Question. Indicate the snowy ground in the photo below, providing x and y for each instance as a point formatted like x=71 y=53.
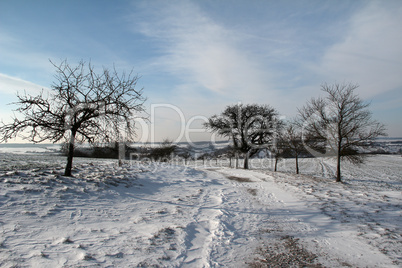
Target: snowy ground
x=163 y=215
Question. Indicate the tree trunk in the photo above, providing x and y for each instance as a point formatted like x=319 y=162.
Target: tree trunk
x=297 y=164
x=237 y=160
x=338 y=168
x=121 y=151
x=69 y=166
x=338 y=162
x=246 y=161
x=276 y=164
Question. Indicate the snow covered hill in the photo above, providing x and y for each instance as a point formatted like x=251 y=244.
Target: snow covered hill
x=140 y=215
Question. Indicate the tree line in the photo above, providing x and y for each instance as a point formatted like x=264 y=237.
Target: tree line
x=84 y=105
x=339 y=125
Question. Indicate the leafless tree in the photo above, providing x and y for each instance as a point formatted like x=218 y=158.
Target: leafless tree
x=251 y=127
x=341 y=122
x=292 y=141
x=81 y=106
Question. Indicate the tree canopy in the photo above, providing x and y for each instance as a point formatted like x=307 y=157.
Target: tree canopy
x=250 y=127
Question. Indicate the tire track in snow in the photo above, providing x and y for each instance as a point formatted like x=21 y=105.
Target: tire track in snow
x=204 y=231
x=363 y=207
x=326 y=169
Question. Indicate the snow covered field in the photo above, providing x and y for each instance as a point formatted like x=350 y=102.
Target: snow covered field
x=164 y=215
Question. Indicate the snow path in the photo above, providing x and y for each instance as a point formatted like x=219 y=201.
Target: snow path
x=335 y=243
x=170 y=216
x=370 y=200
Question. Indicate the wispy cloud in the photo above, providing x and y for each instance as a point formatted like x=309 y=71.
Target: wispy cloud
x=370 y=52
x=20 y=61
x=11 y=85
x=271 y=60
x=201 y=52
x=203 y=55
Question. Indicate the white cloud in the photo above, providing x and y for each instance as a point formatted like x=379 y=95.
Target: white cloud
x=370 y=53
x=198 y=50
x=211 y=69
x=214 y=64
x=12 y=85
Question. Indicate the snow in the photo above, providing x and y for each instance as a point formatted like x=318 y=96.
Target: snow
x=167 y=215
x=26 y=148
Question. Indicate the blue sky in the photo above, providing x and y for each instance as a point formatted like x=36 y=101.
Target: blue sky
x=200 y=56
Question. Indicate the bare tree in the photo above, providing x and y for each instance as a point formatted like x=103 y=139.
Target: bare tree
x=293 y=142
x=341 y=122
x=251 y=127
x=232 y=153
x=81 y=106
x=278 y=150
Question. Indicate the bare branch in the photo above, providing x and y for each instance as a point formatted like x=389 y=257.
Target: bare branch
x=342 y=120
x=79 y=106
